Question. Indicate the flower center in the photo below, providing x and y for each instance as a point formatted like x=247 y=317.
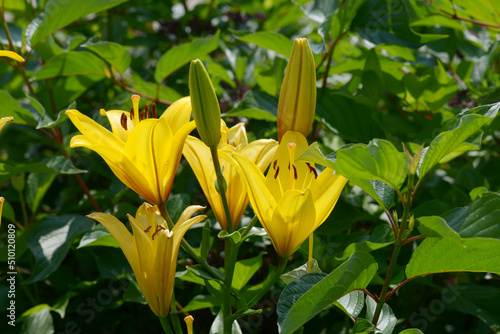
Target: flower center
x=135 y=115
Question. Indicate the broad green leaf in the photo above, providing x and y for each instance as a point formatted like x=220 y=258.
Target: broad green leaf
x=62 y=303
x=37 y=185
x=436 y=226
x=155 y=90
x=199 y=271
x=200 y=302
x=180 y=55
x=133 y=292
x=58 y=14
x=352 y=303
x=380 y=191
x=39 y=320
x=436 y=255
x=114 y=53
x=62 y=165
x=480 y=301
x=98 y=236
x=363 y=326
x=50 y=240
x=480 y=219
x=244 y=271
x=386 y=321
x=271 y=41
x=411 y=331
x=380 y=237
x=348 y=117
x=10 y=107
x=379 y=160
x=447 y=141
x=254 y=232
x=298 y=272
x=297 y=305
x=72 y=63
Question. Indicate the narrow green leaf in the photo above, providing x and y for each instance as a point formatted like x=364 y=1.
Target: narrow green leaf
x=37 y=185
x=10 y=107
x=295 y=308
x=50 y=240
x=271 y=41
x=98 y=236
x=62 y=165
x=200 y=302
x=60 y=13
x=436 y=255
x=244 y=271
x=446 y=142
x=70 y=64
x=180 y=55
x=411 y=331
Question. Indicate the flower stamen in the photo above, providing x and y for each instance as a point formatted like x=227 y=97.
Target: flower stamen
x=123 y=121
x=291 y=155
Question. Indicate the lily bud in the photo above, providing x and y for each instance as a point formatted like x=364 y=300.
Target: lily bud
x=206 y=110
x=297 y=103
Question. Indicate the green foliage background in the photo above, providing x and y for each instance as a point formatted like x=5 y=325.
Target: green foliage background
x=400 y=71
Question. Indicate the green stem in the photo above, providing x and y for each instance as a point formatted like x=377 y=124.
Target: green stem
x=187 y=247
x=23 y=209
x=392 y=265
x=222 y=192
x=276 y=275
x=230 y=256
x=165 y=325
x=310 y=259
x=249 y=227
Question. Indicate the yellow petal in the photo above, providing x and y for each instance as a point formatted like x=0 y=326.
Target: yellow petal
x=293 y=221
x=176 y=153
x=164 y=271
x=261 y=152
x=237 y=135
x=93 y=132
x=11 y=55
x=115 y=119
x=262 y=200
x=4 y=120
x=326 y=190
x=178 y=113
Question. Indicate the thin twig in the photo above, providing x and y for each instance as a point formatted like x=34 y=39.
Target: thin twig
x=461 y=18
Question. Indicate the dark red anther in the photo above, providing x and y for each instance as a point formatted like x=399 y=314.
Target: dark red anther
x=277 y=171
x=131 y=113
x=146 y=116
x=158 y=229
x=154 y=111
x=294 y=172
x=274 y=164
x=147 y=230
x=141 y=116
x=312 y=170
x=123 y=121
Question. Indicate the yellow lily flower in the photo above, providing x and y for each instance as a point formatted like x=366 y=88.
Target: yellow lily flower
x=11 y=55
x=293 y=200
x=152 y=250
x=142 y=152
x=198 y=155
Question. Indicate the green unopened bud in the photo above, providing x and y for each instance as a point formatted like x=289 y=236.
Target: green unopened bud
x=206 y=110
x=414 y=160
x=297 y=103
x=411 y=223
x=17 y=182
